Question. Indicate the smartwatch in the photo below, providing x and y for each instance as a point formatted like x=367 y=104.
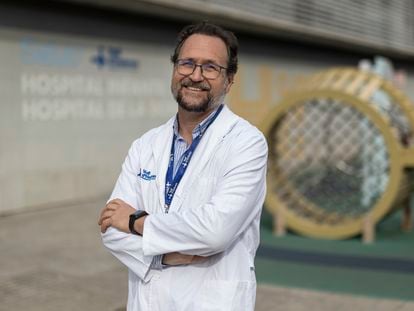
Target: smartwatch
x=133 y=218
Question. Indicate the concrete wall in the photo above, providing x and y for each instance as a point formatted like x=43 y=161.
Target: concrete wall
x=77 y=87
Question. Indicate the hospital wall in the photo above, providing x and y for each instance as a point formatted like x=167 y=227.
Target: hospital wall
x=76 y=88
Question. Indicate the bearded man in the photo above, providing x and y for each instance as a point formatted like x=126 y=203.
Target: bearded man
x=185 y=212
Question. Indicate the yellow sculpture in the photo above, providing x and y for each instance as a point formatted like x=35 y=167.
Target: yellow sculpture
x=340 y=153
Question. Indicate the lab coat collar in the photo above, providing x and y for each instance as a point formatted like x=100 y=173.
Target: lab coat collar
x=162 y=146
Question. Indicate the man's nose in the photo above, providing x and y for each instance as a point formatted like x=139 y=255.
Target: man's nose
x=197 y=74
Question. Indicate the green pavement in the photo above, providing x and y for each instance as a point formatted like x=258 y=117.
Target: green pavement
x=391 y=244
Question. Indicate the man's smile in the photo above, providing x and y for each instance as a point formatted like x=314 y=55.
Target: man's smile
x=195 y=89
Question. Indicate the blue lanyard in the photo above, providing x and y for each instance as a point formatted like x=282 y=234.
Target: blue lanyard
x=171 y=182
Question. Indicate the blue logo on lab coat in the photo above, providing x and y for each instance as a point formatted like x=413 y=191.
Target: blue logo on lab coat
x=146 y=175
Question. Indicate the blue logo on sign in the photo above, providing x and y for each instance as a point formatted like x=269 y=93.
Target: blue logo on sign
x=146 y=175
x=111 y=57
x=35 y=52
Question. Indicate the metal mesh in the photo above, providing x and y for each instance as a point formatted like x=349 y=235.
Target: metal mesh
x=328 y=160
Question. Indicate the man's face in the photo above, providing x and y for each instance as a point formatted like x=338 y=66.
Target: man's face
x=194 y=92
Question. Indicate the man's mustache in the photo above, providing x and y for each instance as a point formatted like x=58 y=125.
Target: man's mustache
x=200 y=85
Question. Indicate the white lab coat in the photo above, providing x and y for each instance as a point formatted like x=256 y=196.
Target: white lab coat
x=215 y=212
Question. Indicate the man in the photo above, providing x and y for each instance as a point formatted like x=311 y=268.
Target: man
x=184 y=214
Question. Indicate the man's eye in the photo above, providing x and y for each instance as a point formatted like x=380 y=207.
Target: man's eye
x=187 y=64
x=210 y=67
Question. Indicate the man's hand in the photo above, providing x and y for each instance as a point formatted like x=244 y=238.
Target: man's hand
x=177 y=259
x=116 y=214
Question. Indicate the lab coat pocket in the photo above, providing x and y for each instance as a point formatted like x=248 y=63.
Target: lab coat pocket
x=228 y=296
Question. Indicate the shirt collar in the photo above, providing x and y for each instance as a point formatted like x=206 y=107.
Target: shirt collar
x=198 y=129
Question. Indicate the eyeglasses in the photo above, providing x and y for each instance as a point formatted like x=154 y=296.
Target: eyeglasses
x=209 y=71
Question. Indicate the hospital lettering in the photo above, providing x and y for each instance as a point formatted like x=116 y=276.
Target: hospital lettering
x=61 y=109
x=60 y=84
x=58 y=97
x=126 y=86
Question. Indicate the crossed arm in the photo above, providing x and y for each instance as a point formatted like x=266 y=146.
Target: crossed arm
x=198 y=232
x=116 y=214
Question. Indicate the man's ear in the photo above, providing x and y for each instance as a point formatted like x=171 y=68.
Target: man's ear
x=230 y=81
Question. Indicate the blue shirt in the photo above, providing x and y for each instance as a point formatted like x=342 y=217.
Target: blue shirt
x=181 y=145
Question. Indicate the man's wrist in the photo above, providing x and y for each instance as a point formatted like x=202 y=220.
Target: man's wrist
x=136 y=222
x=139 y=225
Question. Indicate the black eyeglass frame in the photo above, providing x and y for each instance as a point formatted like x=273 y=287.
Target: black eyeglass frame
x=177 y=63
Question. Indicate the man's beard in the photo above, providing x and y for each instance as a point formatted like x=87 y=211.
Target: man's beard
x=202 y=106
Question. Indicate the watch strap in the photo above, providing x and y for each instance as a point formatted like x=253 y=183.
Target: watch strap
x=133 y=218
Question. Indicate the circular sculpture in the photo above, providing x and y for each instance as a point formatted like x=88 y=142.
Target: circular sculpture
x=339 y=153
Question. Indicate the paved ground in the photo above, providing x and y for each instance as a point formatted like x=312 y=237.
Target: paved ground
x=53 y=260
